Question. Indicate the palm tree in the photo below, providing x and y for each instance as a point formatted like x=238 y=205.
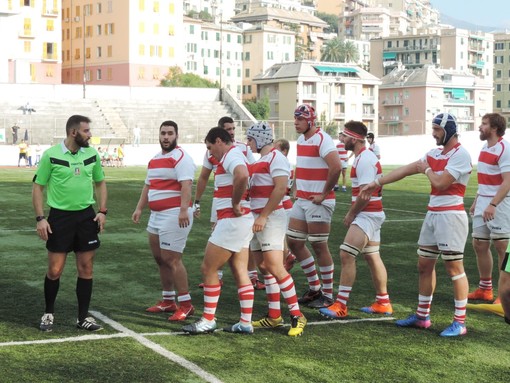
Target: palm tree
x=332 y=50
x=336 y=50
x=350 y=52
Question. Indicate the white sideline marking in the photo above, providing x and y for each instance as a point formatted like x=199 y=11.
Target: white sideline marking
x=157 y=348
x=124 y=332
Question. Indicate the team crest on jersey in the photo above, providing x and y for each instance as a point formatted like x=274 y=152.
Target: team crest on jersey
x=77 y=171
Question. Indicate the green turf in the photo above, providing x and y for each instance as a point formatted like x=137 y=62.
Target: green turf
x=126 y=281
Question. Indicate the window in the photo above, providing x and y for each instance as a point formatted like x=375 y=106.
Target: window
x=498 y=87
x=389 y=44
x=99 y=8
x=239 y=39
x=498 y=103
x=27 y=46
x=141 y=27
x=247 y=39
x=269 y=55
x=88 y=32
x=228 y=72
x=239 y=73
x=171 y=8
x=228 y=55
x=191 y=29
x=98 y=52
x=287 y=57
x=77 y=53
x=141 y=72
x=206 y=69
x=247 y=57
x=155 y=29
x=217 y=36
x=109 y=51
x=228 y=37
x=50 y=25
x=247 y=73
x=99 y=74
x=141 y=50
x=99 y=30
x=141 y=5
x=109 y=74
x=87 y=9
x=499 y=46
x=171 y=30
x=155 y=7
x=77 y=34
x=87 y=53
x=498 y=74
x=27 y=27
x=171 y=52
x=109 y=29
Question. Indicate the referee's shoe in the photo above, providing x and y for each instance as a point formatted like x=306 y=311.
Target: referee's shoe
x=88 y=324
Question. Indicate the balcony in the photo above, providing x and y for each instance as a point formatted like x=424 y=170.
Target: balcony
x=50 y=58
x=393 y=102
x=50 y=13
x=457 y=101
x=26 y=34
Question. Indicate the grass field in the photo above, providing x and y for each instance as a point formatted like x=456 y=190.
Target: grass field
x=140 y=347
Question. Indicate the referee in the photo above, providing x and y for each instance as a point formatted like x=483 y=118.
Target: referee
x=68 y=171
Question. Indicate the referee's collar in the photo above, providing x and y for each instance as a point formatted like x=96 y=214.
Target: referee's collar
x=65 y=149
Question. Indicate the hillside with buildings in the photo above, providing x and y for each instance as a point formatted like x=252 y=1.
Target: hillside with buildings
x=409 y=65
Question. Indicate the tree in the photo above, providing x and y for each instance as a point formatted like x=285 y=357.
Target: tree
x=336 y=50
x=258 y=108
x=331 y=19
x=176 y=78
x=332 y=51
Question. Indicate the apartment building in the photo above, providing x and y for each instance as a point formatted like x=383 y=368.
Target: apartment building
x=338 y=92
x=502 y=74
x=369 y=19
x=410 y=98
x=225 y=8
x=31 y=41
x=451 y=48
x=121 y=42
x=215 y=52
x=290 y=5
x=264 y=46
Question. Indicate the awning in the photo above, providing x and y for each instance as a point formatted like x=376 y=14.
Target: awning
x=458 y=93
x=389 y=56
x=334 y=69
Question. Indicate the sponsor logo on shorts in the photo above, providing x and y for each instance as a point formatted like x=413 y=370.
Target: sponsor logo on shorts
x=443 y=244
x=92 y=242
x=166 y=243
x=316 y=216
x=266 y=244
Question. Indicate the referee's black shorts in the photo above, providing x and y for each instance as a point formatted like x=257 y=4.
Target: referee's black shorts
x=72 y=231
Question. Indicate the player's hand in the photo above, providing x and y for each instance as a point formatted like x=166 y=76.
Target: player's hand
x=366 y=191
x=421 y=166
x=317 y=199
x=259 y=224
x=489 y=213
x=196 y=210
x=43 y=229
x=183 y=218
x=135 y=217
x=349 y=217
x=238 y=210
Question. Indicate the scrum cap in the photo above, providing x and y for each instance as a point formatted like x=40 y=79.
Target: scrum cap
x=307 y=112
x=448 y=123
x=262 y=133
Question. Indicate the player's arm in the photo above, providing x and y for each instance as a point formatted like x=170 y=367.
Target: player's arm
x=202 y=181
x=143 y=201
x=355 y=208
x=186 y=187
x=240 y=184
x=280 y=187
x=501 y=194
x=334 y=170
x=394 y=176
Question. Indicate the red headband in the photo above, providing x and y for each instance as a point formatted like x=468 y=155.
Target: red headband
x=351 y=134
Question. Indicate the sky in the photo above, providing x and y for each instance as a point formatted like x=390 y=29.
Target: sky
x=491 y=13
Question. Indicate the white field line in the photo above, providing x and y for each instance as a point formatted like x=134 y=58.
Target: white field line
x=124 y=332
x=157 y=348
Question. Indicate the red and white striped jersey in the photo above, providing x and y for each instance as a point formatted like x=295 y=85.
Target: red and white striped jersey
x=274 y=164
x=458 y=164
x=491 y=163
x=164 y=175
x=365 y=169
x=342 y=152
x=211 y=163
x=287 y=201
x=311 y=169
x=224 y=181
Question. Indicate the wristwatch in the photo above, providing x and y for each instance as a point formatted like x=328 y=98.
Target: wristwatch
x=39 y=218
